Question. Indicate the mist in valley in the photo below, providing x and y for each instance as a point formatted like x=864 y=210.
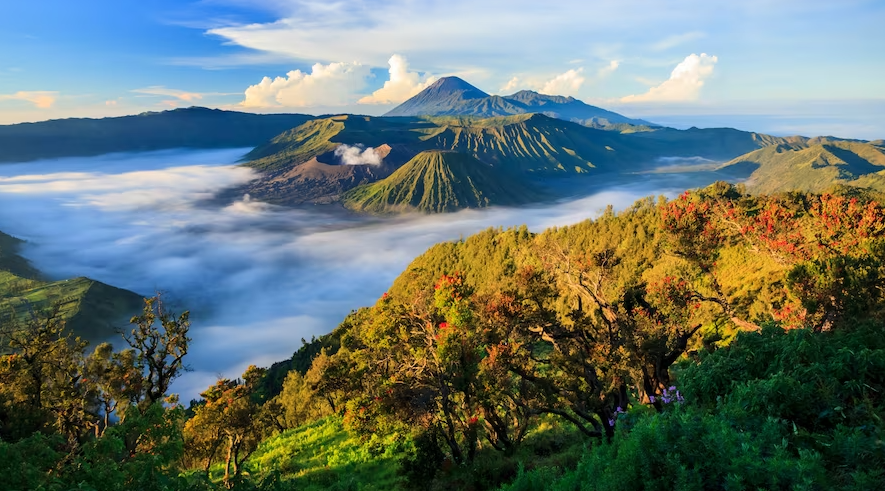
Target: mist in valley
x=257 y=278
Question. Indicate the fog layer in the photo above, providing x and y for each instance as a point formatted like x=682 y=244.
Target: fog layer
x=257 y=278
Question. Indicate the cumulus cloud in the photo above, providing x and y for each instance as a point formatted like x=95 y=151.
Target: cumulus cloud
x=511 y=85
x=334 y=84
x=608 y=69
x=357 y=155
x=402 y=84
x=160 y=90
x=567 y=83
x=42 y=99
x=684 y=84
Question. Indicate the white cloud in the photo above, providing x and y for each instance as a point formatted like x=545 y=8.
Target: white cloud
x=567 y=83
x=676 y=40
x=357 y=155
x=402 y=84
x=684 y=84
x=42 y=99
x=511 y=85
x=608 y=69
x=334 y=84
x=181 y=95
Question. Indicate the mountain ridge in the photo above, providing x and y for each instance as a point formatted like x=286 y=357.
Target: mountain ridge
x=451 y=96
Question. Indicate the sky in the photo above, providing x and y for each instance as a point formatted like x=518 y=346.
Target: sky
x=784 y=66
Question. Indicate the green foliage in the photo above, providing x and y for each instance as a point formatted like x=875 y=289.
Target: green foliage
x=774 y=410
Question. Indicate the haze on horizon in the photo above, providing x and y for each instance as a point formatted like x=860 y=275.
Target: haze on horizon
x=778 y=67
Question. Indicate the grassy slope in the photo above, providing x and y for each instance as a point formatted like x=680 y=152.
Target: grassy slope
x=322 y=454
x=92 y=309
x=439 y=181
x=814 y=166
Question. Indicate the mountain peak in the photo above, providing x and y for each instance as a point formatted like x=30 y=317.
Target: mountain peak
x=454 y=85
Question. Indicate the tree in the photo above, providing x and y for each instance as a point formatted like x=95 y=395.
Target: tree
x=232 y=417
x=160 y=341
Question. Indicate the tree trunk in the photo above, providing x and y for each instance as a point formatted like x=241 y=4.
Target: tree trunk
x=230 y=453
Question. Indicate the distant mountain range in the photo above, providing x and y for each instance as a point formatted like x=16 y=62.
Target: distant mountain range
x=195 y=127
x=452 y=96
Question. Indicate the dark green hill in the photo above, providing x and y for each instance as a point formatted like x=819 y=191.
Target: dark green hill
x=194 y=127
x=439 y=181
x=93 y=310
x=452 y=96
x=813 y=165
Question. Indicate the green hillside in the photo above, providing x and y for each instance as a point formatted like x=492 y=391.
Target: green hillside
x=814 y=165
x=93 y=310
x=438 y=181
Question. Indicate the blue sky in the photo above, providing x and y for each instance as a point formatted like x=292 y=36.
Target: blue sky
x=783 y=66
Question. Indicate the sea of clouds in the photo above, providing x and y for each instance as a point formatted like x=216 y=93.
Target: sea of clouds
x=257 y=278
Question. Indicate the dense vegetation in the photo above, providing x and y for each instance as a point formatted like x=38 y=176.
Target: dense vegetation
x=195 y=127
x=715 y=341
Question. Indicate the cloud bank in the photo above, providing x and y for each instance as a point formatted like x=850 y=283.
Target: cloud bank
x=334 y=84
x=684 y=84
x=42 y=99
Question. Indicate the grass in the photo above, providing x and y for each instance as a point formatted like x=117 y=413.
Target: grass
x=324 y=455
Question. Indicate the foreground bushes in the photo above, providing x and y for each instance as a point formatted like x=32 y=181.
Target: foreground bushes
x=776 y=410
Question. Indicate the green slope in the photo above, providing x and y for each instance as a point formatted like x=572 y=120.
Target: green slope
x=439 y=181
x=814 y=165
x=93 y=310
